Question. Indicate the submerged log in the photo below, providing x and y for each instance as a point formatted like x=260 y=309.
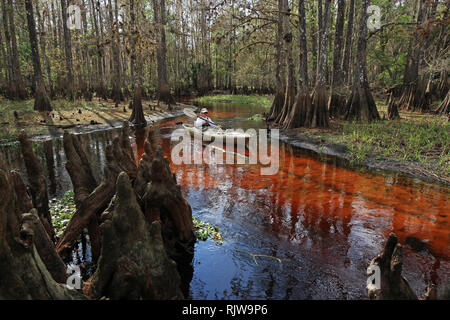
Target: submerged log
x=38 y=184
x=23 y=273
x=133 y=262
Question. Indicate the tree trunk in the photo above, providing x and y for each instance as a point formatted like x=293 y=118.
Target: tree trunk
x=444 y=106
x=45 y=59
x=348 y=43
x=414 y=87
x=302 y=105
x=41 y=102
x=24 y=274
x=289 y=96
x=336 y=103
x=164 y=94
x=117 y=94
x=100 y=88
x=278 y=102
x=137 y=116
x=319 y=113
x=16 y=87
x=361 y=105
x=392 y=109
x=68 y=51
x=390 y=264
x=133 y=263
x=37 y=181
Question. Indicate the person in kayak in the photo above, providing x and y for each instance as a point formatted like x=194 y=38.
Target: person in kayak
x=203 y=121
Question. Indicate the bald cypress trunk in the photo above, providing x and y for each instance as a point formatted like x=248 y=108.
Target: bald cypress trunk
x=16 y=86
x=289 y=95
x=336 y=102
x=415 y=86
x=164 y=94
x=318 y=115
x=278 y=102
x=348 y=43
x=361 y=105
x=68 y=51
x=297 y=116
x=137 y=116
x=117 y=94
x=42 y=101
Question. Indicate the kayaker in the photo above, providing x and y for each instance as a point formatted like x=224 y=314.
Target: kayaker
x=203 y=121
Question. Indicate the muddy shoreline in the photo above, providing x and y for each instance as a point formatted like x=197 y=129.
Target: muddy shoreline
x=152 y=118
x=322 y=147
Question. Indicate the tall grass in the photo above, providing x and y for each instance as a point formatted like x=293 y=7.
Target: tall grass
x=237 y=99
x=408 y=141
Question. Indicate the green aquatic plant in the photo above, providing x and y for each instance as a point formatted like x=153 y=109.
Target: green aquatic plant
x=263 y=101
x=205 y=231
x=62 y=210
x=256 y=117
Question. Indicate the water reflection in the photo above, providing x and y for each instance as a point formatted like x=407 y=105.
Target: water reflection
x=324 y=220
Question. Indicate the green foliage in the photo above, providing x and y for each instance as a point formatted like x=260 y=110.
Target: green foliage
x=62 y=211
x=205 y=231
x=256 y=117
x=237 y=99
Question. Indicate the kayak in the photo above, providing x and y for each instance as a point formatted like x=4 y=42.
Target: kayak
x=214 y=133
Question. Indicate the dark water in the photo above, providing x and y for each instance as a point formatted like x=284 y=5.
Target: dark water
x=323 y=220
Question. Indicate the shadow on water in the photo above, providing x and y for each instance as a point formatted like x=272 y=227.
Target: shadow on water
x=324 y=220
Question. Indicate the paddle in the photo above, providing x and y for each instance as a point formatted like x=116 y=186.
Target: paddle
x=191 y=114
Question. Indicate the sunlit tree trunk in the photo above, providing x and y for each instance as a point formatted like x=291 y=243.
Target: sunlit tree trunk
x=318 y=115
x=289 y=95
x=16 y=87
x=68 y=51
x=159 y=8
x=41 y=102
x=137 y=116
x=278 y=102
x=348 y=43
x=414 y=87
x=336 y=102
x=297 y=116
x=361 y=105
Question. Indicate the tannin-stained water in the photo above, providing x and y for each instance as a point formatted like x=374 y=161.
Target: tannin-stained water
x=324 y=220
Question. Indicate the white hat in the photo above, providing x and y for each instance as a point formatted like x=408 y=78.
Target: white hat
x=204 y=110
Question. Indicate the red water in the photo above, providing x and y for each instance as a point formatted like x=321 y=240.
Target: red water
x=325 y=221
x=338 y=216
